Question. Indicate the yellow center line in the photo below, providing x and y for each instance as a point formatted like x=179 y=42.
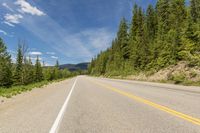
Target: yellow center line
x=155 y=105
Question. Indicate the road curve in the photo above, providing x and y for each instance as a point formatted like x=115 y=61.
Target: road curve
x=100 y=105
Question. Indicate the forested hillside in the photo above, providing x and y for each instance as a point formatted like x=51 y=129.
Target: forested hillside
x=155 y=39
x=75 y=67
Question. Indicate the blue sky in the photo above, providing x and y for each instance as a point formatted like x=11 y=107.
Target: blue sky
x=71 y=31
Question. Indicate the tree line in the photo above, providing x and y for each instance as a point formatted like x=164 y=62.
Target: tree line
x=24 y=72
x=160 y=36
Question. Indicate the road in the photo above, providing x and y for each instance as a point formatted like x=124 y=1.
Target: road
x=99 y=105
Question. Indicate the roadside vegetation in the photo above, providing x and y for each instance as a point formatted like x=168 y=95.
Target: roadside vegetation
x=159 y=39
x=23 y=75
x=14 y=90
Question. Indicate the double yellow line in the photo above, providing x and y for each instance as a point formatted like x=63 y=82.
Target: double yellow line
x=157 y=106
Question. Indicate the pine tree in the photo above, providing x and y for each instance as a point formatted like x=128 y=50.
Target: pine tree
x=195 y=10
x=38 y=70
x=178 y=14
x=166 y=34
x=151 y=23
x=56 y=70
x=31 y=70
x=91 y=66
x=178 y=23
x=141 y=42
x=28 y=71
x=120 y=50
x=25 y=74
x=110 y=62
x=5 y=66
x=163 y=49
x=163 y=11
x=132 y=37
x=134 y=24
x=101 y=62
x=57 y=64
x=18 y=79
x=190 y=48
x=122 y=39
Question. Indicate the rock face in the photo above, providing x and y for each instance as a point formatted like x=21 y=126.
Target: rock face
x=181 y=72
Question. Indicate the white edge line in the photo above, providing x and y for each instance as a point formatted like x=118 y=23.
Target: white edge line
x=55 y=127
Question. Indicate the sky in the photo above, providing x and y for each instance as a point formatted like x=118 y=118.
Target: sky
x=71 y=31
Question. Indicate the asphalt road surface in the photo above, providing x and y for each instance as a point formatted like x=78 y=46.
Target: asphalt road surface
x=98 y=105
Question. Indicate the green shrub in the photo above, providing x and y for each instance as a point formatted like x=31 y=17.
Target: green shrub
x=14 y=90
x=193 y=74
x=178 y=78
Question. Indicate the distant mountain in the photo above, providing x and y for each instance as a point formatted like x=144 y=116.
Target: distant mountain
x=75 y=67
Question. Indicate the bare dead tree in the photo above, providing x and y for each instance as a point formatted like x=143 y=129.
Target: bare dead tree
x=24 y=48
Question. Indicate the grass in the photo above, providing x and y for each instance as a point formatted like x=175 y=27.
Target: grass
x=15 y=90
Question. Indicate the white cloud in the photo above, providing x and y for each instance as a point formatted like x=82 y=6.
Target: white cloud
x=50 y=53
x=79 y=46
x=54 y=57
x=11 y=19
x=2 y=31
x=35 y=53
x=12 y=52
x=25 y=7
x=7 y=6
x=35 y=58
x=12 y=25
x=68 y=44
x=13 y=55
x=98 y=38
x=48 y=64
x=13 y=59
